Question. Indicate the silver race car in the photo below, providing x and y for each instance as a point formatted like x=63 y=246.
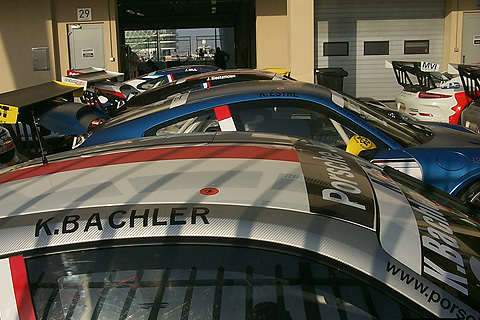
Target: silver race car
x=231 y=226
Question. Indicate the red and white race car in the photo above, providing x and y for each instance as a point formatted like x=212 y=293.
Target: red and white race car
x=429 y=95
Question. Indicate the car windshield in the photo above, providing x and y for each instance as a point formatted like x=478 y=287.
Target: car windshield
x=407 y=134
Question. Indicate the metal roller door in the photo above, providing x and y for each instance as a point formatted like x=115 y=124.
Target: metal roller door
x=351 y=23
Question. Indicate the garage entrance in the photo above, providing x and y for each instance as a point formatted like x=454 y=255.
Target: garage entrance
x=231 y=22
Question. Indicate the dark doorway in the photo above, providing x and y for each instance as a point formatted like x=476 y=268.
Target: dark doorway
x=235 y=15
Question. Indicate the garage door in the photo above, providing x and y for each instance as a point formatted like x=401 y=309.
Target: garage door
x=360 y=35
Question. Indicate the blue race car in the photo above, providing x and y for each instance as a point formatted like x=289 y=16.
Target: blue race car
x=444 y=155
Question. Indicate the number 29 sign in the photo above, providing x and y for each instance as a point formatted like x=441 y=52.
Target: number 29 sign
x=84 y=14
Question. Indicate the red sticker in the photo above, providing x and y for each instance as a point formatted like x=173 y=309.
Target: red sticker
x=209 y=191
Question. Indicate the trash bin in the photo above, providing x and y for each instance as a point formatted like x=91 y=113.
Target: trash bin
x=331 y=77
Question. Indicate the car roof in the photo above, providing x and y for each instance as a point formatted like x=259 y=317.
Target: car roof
x=183 y=68
x=235 y=91
x=148 y=96
x=259 y=187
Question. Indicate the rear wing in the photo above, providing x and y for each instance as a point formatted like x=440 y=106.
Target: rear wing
x=88 y=77
x=19 y=110
x=414 y=75
x=470 y=76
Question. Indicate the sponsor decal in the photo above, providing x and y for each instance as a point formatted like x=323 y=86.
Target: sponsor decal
x=344 y=192
x=179 y=100
x=8 y=114
x=454 y=308
x=119 y=219
x=429 y=66
x=450 y=85
x=447 y=249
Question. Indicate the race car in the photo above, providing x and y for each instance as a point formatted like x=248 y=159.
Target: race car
x=110 y=96
x=427 y=94
x=200 y=81
x=441 y=154
x=8 y=152
x=158 y=77
x=470 y=76
x=48 y=118
x=230 y=226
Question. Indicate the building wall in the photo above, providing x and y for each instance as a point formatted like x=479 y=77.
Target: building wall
x=26 y=24
x=20 y=31
x=394 y=21
x=284 y=33
x=65 y=13
x=454 y=10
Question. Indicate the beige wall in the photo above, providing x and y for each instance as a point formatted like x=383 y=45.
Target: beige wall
x=454 y=9
x=24 y=24
x=65 y=13
x=284 y=33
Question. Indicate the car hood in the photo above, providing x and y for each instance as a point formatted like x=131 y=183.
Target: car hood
x=454 y=136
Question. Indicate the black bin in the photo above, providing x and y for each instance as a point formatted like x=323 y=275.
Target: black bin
x=331 y=77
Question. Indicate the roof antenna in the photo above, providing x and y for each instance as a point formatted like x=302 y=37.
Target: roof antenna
x=37 y=131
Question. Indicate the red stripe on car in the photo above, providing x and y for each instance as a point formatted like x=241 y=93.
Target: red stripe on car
x=179 y=153
x=20 y=288
x=462 y=101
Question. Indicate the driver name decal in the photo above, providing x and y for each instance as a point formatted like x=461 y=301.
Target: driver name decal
x=278 y=94
x=118 y=219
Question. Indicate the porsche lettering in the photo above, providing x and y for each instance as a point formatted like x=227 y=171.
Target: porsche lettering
x=341 y=179
x=122 y=219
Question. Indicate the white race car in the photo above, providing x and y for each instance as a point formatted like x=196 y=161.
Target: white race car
x=429 y=95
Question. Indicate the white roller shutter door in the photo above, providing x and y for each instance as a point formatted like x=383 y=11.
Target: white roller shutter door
x=357 y=21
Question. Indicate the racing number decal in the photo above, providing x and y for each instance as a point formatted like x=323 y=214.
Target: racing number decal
x=224 y=118
x=8 y=114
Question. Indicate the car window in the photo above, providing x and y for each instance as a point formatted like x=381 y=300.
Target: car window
x=199 y=282
x=200 y=122
x=152 y=83
x=292 y=117
x=407 y=135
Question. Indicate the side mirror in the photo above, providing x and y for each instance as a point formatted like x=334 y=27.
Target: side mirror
x=360 y=146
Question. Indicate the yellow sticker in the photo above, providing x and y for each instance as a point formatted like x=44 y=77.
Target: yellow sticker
x=358 y=143
x=8 y=114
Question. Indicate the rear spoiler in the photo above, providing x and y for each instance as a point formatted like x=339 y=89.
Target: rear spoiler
x=470 y=76
x=19 y=110
x=415 y=75
x=88 y=77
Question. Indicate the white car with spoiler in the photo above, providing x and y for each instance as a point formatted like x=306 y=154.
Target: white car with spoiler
x=428 y=94
x=230 y=226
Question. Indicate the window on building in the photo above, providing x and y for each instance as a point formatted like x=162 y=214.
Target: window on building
x=371 y=48
x=416 y=46
x=335 y=48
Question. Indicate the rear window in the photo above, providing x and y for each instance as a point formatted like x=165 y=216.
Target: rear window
x=199 y=282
